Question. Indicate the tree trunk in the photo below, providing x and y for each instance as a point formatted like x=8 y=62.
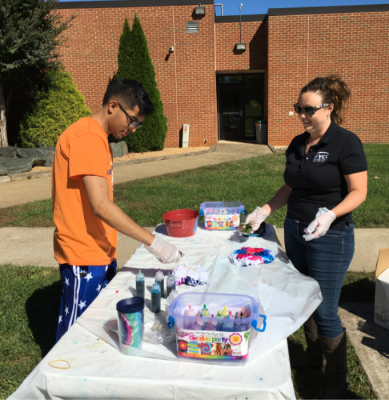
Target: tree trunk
x=3 y=120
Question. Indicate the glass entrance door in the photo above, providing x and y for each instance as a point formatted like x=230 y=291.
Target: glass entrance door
x=231 y=111
x=240 y=104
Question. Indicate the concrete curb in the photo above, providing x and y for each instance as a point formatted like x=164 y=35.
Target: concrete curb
x=44 y=174
x=278 y=149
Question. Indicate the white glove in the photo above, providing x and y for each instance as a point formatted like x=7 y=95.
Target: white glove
x=164 y=251
x=320 y=225
x=256 y=218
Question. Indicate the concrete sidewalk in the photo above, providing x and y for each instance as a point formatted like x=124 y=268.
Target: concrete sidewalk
x=21 y=192
x=34 y=246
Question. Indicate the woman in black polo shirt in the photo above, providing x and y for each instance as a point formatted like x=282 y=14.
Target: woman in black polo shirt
x=325 y=180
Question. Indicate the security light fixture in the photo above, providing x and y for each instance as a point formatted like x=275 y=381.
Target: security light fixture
x=240 y=46
x=200 y=10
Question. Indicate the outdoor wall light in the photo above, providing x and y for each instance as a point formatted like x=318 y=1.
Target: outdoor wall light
x=240 y=46
x=200 y=10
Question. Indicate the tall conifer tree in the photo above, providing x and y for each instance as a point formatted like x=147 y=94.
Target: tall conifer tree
x=134 y=62
x=125 y=55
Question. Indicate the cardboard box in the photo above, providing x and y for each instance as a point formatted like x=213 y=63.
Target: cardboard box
x=381 y=303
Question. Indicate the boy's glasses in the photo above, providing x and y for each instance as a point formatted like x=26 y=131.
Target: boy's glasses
x=133 y=124
x=309 y=110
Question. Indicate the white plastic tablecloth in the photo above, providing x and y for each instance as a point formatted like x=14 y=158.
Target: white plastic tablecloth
x=86 y=363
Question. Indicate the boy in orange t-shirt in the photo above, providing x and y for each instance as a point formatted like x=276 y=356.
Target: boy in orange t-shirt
x=85 y=216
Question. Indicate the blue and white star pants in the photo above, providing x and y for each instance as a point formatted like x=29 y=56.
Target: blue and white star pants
x=80 y=286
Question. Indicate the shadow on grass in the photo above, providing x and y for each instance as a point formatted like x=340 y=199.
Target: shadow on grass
x=310 y=383
x=42 y=309
x=358 y=287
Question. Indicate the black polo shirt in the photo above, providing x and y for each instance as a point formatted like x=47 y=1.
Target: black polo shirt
x=317 y=178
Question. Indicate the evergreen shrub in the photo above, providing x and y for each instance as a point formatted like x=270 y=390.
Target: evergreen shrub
x=58 y=105
x=134 y=62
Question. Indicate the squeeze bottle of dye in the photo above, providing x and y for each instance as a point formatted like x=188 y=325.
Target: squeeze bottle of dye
x=190 y=312
x=219 y=323
x=196 y=325
x=202 y=312
x=244 y=313
x=240 y=326
x=159 y=278
x=210 y=326
x=170 y=283
x=155 y=298
x=140 y=285
x=228 y=325
x=225 y=312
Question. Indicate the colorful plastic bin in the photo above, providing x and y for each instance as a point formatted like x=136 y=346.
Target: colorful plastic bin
x=221 y=214
x=208 y=338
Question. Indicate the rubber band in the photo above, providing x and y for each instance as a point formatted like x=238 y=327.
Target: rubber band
x=53 y=366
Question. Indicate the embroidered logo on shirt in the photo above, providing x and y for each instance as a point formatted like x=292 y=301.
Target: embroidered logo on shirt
x=321 y=156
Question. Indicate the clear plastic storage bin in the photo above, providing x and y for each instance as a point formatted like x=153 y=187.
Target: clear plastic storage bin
x=212 y=326
x=221 y=214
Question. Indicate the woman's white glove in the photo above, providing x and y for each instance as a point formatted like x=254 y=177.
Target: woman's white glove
x=164 y=251
x=320 y=225
x=256 y=218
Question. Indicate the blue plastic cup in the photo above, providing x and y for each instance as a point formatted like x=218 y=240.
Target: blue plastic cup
x=130 y=323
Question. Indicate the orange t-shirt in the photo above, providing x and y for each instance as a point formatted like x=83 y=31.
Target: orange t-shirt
x=81 y=238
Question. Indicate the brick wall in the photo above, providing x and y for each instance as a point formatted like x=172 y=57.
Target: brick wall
x=186 y=79
x=354 y=45
x=254 y=34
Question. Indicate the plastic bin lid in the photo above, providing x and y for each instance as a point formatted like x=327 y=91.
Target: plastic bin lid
x=130 y=306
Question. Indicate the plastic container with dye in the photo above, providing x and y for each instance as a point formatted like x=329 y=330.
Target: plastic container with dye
x=227 y=339
x=221 y=214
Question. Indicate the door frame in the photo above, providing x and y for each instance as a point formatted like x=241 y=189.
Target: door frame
x=219 y=114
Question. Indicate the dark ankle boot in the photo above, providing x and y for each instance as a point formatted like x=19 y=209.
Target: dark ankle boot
x=335 y=353
x=313 y=356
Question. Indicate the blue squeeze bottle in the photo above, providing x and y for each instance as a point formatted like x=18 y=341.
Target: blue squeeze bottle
x=140 y=285
x=155 y=298
x=228 y=325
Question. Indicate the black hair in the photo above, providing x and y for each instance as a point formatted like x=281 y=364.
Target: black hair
x=333 y=90
x=129 y=93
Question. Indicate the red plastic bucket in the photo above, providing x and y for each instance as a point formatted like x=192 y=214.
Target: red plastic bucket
x=181 y=223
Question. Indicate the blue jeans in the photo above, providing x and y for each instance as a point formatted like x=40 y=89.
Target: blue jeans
x=325 y=259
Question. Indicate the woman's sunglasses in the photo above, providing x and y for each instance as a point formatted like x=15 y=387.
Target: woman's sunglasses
x=309 y=110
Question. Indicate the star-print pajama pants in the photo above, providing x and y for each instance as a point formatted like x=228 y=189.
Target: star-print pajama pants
x=80 y=286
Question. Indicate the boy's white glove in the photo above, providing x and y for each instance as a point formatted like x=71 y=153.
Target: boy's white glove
x=320 y=225
x=164 y=251
x=256 y=218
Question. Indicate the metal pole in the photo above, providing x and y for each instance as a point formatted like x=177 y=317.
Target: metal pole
x=221 y=7
x=240 y=22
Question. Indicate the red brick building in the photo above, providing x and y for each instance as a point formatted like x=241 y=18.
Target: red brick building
x=221 y=91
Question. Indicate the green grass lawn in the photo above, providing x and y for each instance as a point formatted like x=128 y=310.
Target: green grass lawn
x=29 y=306
x=252 y=181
